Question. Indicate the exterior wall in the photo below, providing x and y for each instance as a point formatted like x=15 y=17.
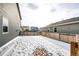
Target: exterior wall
x=72 y=28
x=0 y=27
x=45 y=29
x=10 y=11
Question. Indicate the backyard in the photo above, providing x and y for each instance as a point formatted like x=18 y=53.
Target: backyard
x=35 y=46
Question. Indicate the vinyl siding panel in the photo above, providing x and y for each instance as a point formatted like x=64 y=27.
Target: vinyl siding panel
x=72 y=28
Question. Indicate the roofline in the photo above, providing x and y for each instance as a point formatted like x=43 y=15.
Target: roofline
x=66 y=23
x=19 y=11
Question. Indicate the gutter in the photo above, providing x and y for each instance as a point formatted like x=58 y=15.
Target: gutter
x=19 y=10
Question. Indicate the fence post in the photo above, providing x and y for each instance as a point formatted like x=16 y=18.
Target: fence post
x=75 y=46
x=77 y=40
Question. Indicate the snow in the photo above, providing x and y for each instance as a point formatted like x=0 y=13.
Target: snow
x=25 y=45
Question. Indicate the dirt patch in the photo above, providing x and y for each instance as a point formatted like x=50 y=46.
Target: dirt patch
x=40 y=52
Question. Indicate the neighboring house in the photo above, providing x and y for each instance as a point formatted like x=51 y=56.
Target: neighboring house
x=34 y=29
x=29 y=28
x=44 y=29
x=25 y=28
x=9 y=22
x=66 y=26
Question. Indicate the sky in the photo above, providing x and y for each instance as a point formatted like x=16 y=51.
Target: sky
x=42 y=14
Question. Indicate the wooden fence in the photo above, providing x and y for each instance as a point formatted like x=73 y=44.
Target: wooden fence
x=60 y=36
x=29 y=33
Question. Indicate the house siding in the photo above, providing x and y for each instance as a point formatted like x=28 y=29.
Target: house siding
x=10 y=11
x=72 y=28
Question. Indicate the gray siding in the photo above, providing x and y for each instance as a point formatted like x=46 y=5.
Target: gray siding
x=10 y=11
x=73 y=28
x=70 y=28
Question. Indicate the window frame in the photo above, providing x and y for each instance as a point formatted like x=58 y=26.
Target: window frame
x=3 y=17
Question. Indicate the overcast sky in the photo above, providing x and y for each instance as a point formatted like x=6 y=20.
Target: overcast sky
x=42 y=14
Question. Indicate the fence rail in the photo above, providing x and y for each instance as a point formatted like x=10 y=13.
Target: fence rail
x=29 y=33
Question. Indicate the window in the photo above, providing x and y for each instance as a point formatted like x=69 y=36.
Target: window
x=5 y=29
x=5 y=26
x=55 y=29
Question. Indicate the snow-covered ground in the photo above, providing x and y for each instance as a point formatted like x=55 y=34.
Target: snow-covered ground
x=25 y=45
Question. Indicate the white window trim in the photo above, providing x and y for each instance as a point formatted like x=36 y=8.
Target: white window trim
x=3 y=25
